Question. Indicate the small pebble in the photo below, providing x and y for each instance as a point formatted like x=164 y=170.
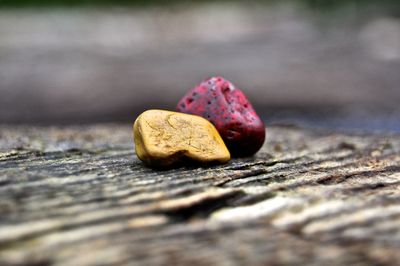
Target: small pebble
x=220 y=102
x=164 y=138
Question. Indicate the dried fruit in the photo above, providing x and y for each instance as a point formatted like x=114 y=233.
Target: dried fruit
x=220 y=102
x=164 y=138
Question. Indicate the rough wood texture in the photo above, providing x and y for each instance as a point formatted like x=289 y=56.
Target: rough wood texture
x=79 y=196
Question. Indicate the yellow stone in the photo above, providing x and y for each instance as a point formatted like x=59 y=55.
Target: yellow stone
x=163 y=138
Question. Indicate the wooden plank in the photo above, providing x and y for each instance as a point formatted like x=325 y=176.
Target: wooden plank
x=79 y=196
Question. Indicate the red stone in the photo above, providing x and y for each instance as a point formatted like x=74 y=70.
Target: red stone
x=220 y=102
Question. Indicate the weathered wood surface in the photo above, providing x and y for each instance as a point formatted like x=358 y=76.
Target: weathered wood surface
x=79 y=196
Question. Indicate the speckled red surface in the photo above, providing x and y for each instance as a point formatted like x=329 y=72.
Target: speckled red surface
x=220 y=102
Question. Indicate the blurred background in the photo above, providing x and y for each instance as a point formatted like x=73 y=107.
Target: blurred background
x=330 y=64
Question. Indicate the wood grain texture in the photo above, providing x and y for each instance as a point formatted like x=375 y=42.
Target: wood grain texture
x=79 y=196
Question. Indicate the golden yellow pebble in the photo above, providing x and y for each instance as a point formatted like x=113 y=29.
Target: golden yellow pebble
x=163 y=138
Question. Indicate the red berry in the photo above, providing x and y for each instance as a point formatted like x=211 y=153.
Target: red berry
x=220 y=102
